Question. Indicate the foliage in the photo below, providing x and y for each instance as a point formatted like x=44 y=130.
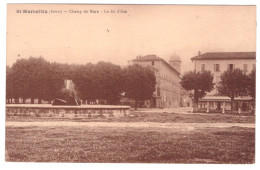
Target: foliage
x=36 y=78
x=252 y=84
x=20 y=83
x=9 y=84
x=199 y=82
x=233 y=84
x=139 y=83
x=108 y=82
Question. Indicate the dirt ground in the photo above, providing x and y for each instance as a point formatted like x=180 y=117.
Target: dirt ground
x=131 y=124
x=146 y=137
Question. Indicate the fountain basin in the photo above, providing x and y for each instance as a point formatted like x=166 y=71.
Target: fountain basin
x=83 y=111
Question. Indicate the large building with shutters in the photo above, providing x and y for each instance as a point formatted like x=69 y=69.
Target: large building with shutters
x=217 y=63
x=167 y=93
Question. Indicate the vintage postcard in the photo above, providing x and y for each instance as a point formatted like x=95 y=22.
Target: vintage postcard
x=130 y=83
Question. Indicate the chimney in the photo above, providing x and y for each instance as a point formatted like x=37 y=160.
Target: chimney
x=199 y=53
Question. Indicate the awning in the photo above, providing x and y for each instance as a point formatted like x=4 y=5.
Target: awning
x=224 y=98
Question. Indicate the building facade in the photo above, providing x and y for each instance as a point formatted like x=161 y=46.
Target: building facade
x=217 y=63
x=186 y=100
x=167 y=93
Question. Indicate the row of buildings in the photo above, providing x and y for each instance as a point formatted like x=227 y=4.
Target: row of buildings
x=169 y=93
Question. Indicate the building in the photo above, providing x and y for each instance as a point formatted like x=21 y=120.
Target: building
x=217 y=63
x=186 y=100
x=167 y=93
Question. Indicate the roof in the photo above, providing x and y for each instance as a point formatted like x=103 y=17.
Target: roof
x=225 y=56
x=147 y=58
x=153 y=57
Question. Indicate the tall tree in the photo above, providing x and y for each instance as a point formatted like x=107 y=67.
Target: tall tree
x=139 y=83
x=199 y=83
x=31 y=79
x=233 y=84
x=21 y=83
x=55 y=79
x=251 y=84
x=84 y=79
x=38 y=78
x=9 y=85
x=108 y=82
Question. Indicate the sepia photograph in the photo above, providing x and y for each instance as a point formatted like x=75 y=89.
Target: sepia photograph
x=130 y=83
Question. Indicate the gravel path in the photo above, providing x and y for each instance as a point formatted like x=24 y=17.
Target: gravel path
x=184 y=126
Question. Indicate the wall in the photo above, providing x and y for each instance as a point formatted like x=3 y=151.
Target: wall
x=209 y=65
x=167 y=80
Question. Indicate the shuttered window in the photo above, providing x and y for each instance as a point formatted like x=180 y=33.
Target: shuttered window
x=216 y=67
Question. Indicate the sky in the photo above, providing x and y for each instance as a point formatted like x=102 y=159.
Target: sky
x=118 y=37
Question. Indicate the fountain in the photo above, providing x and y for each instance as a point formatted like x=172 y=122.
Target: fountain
x=67 y=104
x=67 y=95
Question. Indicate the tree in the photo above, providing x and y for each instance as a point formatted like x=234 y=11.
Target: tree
x=233 y=84
x=199 y=82
x=108 y=82
x=20 y=72
x=37 y=78
x=9 y=85
x=30 y=79
x=84 y=79
x=139 y=83
x=55 y=79
x=251 y=84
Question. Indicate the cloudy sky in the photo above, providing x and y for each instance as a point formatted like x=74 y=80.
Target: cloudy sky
x=164 y=30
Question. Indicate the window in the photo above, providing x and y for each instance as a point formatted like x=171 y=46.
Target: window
x=216 y=67
x=202 y=67
x=153 y=63
x=245 y=67
x=230 y=67
x=253 y=66
x=158 y=91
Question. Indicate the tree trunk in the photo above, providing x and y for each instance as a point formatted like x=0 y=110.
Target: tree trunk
x=232 y=101
x=16 y=100
x=136 y=104
x=24 y=100
x=32 y=100
x=39 y=100
x=196 y=101
x=195 y=107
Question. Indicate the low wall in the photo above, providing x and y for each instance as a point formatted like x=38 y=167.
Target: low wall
x=83 y=111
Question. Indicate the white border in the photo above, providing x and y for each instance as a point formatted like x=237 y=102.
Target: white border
x=63 y=166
